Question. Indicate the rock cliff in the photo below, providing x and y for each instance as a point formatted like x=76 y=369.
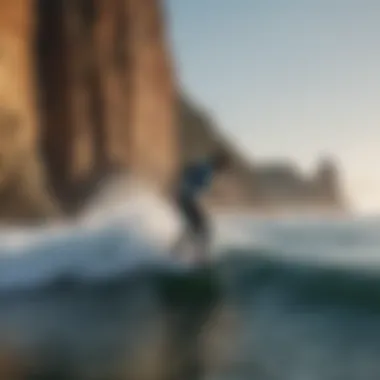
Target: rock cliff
x=84 y=85
x=23 y=194
x=284 y=188
x=263 y=187
x=106 y=87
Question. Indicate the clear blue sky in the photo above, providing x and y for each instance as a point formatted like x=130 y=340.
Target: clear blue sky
x=289 y=79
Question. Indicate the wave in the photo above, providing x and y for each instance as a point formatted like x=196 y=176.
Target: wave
x=126 y=225
x=353 y=242
x=296 y=315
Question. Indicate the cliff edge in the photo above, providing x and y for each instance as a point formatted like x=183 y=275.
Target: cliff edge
x=268 y=187
x=85 y=85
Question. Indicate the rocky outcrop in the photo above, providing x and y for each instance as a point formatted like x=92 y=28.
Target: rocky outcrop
x=107 y=90
x=326 y=184
x=23 y=194
x=284 y=188
x=263 y=187
x=85 y=85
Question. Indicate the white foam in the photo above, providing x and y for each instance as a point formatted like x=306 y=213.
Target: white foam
x=125 y=226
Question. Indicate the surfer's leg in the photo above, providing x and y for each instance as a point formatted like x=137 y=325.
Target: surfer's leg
x=184 y=206
x=204 y=241
x=200 y=231
x=197 y=229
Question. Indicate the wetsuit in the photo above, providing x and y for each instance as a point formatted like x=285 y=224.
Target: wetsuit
x=195 y=179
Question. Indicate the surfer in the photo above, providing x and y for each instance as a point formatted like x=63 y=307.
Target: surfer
x=194 y=179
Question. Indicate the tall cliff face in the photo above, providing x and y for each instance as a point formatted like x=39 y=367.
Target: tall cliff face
x=154 y=136
x=106 y=90
x=84 y=85
x=23 y=194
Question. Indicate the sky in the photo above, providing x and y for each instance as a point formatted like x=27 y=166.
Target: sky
x=288 y=79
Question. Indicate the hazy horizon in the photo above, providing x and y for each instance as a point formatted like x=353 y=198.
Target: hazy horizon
x=292 y=81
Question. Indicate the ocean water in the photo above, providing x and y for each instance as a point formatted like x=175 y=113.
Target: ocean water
x=101 y=298
x=308 y=298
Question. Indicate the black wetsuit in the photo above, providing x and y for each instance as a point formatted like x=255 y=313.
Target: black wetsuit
x=195 y=179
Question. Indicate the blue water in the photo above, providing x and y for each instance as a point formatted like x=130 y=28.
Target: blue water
x=307 y=300
x=283 y=299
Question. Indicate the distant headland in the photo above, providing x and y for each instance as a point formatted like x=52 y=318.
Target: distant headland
x=264 y=187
